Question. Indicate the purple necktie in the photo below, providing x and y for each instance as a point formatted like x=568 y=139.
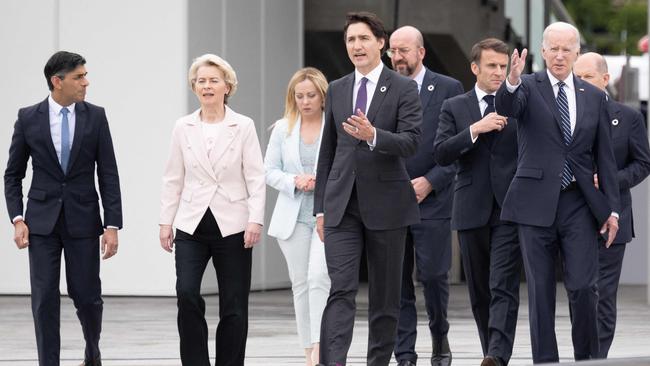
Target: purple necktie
x=362 y=97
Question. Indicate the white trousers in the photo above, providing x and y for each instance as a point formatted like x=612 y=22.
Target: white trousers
x=310 y=283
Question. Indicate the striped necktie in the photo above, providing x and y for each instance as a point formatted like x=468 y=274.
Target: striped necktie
x=563 y=105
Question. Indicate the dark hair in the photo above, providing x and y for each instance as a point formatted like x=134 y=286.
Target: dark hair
x=371 y=20
x=493 y=44
x=60 y=64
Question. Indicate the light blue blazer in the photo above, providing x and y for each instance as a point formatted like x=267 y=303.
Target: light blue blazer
x=282 y=164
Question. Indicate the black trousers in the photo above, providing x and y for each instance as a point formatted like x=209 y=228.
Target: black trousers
x=343 y=249
x=232 y=263
x=428 y=249
x=492 y=264
x=574 y=235
x=84 y=287
x=610 y=263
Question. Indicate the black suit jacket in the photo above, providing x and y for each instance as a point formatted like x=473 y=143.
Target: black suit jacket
x=52 y=190
x=484 y=168
x=384 y=191
x=632 y=154
x=532 y=198
x=435 y=89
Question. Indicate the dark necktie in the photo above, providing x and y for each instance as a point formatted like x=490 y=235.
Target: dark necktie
x=362 y=97
x=489 y=99
x=65 y=140
x=563 y=106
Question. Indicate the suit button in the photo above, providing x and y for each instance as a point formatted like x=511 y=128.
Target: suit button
x=223 y=167
x=194 y=165
x=62 y=184
x=60 y=199
x=201 y=182
x=354 y=172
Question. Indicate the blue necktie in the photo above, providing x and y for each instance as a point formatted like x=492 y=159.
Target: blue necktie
x=489 y=99
x=65 y=140
x=362 y=97
x=563 y=106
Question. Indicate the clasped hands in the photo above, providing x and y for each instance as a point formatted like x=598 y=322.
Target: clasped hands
x=359 y=127
x=305 y=182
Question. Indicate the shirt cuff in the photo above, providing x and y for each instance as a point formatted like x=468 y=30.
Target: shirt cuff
x=320 y=214
x=112 y=227
x=17 y=218
x=511 y=88
x=615 y=214
x=374 y=140
x=471 y=135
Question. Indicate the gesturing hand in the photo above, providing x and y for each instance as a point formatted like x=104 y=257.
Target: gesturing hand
x=517 y=64
x=491 y=122
x=359 y=127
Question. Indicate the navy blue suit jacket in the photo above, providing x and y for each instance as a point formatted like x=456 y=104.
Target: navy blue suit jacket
x=435 y=89
x=532 y=198
x=384 y=191
x=484 y=168
x=51 y=189
x=632 y=154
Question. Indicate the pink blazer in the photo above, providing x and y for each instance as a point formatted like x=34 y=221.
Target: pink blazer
x=230 y=182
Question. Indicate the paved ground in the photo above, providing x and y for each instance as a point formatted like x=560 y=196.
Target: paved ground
x=142 y=331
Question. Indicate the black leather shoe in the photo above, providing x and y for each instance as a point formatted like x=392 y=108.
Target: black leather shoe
x=492 y=361
x=97 y=362
x=440 y=352
x=406 y=363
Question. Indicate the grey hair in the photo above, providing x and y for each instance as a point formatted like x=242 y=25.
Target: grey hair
x=561 y=26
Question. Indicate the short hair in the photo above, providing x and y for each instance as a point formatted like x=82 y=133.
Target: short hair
x=60 y=64
x=371 y=20
x=229 y=75
x=561 y=26
x=493 y=44
x=290 y=106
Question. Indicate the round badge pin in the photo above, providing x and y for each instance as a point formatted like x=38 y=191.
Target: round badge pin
x=615 y=122
x=430 y=88
x=382 y=89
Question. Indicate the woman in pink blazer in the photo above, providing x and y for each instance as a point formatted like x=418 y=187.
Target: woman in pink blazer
x=213 y=193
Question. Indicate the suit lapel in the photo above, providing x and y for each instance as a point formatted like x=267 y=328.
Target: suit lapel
x=46 y=133
x=383 y=84
x=472 y=106
x=196 y=145
x=428 y=88
x=81 y=119
x=224 y=142
x=546 y=89
x=294 y=145
x=580 y=105
x=614 y=116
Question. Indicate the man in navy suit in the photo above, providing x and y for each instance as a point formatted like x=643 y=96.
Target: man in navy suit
x=429 y=240
x=483 y=144
x=363 y=196
x=563 y=137
x=66 y=138
x=632 y=154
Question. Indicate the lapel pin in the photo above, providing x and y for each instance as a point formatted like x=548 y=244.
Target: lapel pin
x=430 y=87
x=581 y=89
x=382 y=89
x=615 y=122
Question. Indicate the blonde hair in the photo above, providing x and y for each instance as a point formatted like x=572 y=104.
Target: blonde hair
x=290 y=106
x=230 y=77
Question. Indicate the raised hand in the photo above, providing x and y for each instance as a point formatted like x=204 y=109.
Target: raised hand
x=517 y=64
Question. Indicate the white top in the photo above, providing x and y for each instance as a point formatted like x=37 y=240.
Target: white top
x=211 y=132
x=419 y=78
x=56 y=118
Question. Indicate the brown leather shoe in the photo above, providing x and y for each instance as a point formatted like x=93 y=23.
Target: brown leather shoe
x=491 y=361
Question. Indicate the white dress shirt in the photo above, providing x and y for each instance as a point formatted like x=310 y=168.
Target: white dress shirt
x=482 y=105
x=56 y=118
x=419 y=78
x=371 y=85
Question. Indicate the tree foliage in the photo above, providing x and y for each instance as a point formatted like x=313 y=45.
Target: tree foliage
x=610 y=26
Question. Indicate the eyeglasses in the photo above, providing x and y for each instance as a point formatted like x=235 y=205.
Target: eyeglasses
x=391 y=52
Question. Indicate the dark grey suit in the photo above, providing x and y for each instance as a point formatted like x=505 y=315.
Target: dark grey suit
x=368 y=201
x=630 y=144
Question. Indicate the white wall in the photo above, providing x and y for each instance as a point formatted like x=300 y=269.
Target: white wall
x=138 y=54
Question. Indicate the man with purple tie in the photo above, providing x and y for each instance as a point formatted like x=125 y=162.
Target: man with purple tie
x=363 y=196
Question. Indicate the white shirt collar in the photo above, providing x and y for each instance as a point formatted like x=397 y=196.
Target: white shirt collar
x=480 y=93
x=419 y=78
x=372 y=76
x=568 y=81
x=56 y=107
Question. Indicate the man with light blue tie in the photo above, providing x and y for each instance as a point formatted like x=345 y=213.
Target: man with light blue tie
x=67 y=140
x=563 y=136
x=363 y=196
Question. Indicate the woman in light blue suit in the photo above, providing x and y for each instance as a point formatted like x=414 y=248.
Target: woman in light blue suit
x=290 y=164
